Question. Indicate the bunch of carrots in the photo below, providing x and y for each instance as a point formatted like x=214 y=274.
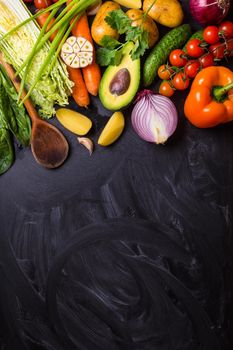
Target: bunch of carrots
x=86 y=80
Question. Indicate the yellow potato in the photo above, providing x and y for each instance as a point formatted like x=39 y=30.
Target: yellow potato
x=147 y=23
x=112 y=130
x=166 y=12
x=131 y=4
x=77 y=123
x=99 y=27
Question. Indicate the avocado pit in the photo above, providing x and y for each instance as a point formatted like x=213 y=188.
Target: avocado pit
x=120 y=82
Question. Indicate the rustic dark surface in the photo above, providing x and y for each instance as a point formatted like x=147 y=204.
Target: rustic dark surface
x=130 y=248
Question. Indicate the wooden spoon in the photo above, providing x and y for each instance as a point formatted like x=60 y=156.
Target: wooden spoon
x=49 y=146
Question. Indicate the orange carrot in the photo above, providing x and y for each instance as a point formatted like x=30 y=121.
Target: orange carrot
x=91 y=73
x=92 y=77
x=41 y=19
x=81 y=28
x=79 y=93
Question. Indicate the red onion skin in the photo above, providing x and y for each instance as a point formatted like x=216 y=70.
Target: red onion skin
x=148 y=106
x=209 y=11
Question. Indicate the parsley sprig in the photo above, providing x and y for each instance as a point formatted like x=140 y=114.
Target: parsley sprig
x=112 y=51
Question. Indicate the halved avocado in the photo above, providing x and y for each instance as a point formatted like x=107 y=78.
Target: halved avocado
x=120 y=84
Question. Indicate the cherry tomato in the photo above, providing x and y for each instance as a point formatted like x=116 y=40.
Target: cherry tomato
x=229 y=48
x=194 y=49
x=42 y=4
x=180 y=81
x=226 y=29
x=210 y=34
x=165 y=72
x=207 y=60
x=177 y=58
x=191 y=68
x=218 y=50
x=166 y=89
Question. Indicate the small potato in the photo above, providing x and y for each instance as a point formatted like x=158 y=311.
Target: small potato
x=147 y=23
x=99 y=27
x=131 y=4
x=75 y=122
x=166 y=12
x=112 y=130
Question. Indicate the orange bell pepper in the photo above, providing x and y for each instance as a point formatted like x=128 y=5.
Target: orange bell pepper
x=210 y=101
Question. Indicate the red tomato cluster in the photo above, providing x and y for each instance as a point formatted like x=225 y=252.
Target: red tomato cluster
x=183 y=65
x=41 y=4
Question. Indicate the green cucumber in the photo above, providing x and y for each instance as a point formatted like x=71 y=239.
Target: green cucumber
x=174 y=39
x=196 y=35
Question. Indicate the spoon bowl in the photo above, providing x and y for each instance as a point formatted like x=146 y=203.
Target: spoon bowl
x=49 y=147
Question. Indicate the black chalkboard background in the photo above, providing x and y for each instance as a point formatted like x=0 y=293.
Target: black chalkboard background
x=130 y=248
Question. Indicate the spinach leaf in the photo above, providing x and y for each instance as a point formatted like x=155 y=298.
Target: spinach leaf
x=23 y=132
x=18 y=120
x=6 y=145
x=6 y=150
x=4 y=104
x=13 y=119
x=7 y=117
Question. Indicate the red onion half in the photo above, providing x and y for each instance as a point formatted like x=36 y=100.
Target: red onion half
x=154 y=117
x=209 y=11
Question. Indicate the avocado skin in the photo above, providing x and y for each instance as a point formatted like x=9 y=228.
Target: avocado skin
x=115 y=102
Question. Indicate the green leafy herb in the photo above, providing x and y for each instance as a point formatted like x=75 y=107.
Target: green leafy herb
x=107 y=57
x=141 y=45
x=109 y=42
x=111 y=52
x=119 y=21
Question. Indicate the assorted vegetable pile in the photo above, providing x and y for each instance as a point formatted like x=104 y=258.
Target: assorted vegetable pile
x=57 y=52
x=52 y=84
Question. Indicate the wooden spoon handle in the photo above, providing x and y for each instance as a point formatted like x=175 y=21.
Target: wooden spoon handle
x=16 y=82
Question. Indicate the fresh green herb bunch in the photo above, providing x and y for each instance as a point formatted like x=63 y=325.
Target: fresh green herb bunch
x=111 y=52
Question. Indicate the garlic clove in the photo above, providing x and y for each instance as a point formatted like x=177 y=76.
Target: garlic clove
x=86 y=142
x=67 y=48
x=76 y=48
x=71 y=41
